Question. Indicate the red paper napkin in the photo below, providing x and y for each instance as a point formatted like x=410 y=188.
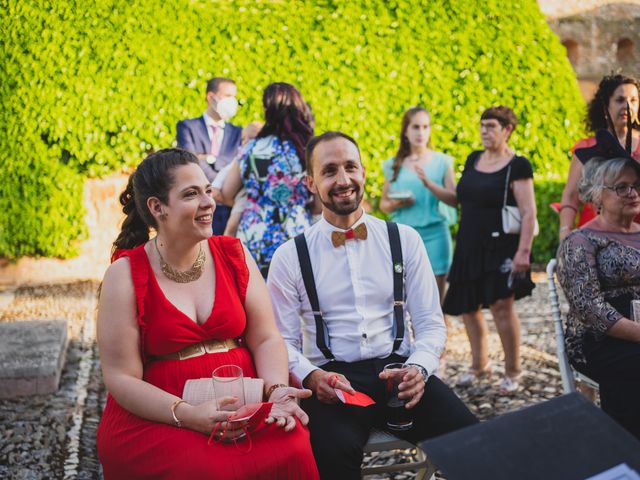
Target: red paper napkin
x=359 y=399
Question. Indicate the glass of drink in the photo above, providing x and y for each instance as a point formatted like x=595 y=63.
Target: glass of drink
x=398 y=417
x=227 y=382
x=635 y=310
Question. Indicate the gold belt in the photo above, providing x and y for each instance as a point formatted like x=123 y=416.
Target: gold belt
x=200 y=348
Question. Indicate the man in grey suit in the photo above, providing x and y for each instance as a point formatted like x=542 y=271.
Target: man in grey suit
x=212 y=138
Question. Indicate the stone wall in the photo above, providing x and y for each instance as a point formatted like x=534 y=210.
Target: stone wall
x=601 y=37
x=554 y=9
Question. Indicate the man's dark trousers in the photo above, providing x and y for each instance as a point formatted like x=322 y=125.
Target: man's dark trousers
x=339 y=432
x=220 y=218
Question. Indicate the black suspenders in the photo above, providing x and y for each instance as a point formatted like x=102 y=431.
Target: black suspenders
x=398 y=289
x=310 y=286
x=398 y=284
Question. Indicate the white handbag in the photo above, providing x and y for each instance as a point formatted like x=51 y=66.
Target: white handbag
x=511 y=218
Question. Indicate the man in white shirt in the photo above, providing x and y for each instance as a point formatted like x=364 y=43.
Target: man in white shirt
x=354 y=281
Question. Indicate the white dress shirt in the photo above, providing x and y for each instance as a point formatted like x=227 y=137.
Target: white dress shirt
x=355 y=292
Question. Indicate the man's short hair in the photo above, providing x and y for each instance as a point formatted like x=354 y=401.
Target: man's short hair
x=214 y=83
x=504 y=116
x=325 y=137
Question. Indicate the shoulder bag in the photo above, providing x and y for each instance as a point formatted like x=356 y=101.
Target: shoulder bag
x=511 y=219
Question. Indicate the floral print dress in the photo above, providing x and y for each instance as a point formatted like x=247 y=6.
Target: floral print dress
x=277 y=198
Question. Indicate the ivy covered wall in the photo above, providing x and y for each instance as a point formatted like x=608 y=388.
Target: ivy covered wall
x=87 y=88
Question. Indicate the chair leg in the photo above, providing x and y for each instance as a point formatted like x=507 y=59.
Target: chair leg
x=429 y=471
x=589 y=392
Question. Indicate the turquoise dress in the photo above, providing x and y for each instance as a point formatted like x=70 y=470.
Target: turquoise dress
x=424 y=215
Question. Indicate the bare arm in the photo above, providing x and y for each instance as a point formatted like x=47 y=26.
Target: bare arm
x=578 y=276
x=262 y=335
x=232 y=184
x=269 y=350
x=390 y=205
x=446 y=194
x=570 y=200
x=122 y=368
x=523 y=193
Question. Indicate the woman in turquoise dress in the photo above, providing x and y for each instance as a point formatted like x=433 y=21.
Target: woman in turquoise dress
x=419 y=190
x=272 y=168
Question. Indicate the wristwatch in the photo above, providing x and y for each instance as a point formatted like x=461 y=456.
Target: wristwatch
x=423 y=370
x=211 y=159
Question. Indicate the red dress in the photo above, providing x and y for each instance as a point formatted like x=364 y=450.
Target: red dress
x=131 y=447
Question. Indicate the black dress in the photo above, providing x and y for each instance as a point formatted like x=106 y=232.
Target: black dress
x=483 y=252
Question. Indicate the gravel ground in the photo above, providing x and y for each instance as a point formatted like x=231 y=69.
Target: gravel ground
x=53 y=436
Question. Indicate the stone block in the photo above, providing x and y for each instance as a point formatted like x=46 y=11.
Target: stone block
x=32 y=355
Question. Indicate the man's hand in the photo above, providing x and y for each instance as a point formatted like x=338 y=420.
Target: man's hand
x=323 y=384
x=411 y=388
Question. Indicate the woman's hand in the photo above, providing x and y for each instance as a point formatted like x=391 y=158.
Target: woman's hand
x=407 y=202
x=423 y=177
x=204 y=417
x=521 y=262
x=285 y=408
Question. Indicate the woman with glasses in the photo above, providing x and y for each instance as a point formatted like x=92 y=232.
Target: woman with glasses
x=599 y=270
x=486 y=258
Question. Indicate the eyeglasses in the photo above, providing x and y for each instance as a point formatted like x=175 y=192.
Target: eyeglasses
x=623 y=190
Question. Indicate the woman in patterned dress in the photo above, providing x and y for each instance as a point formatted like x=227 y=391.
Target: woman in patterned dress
x=272 y=168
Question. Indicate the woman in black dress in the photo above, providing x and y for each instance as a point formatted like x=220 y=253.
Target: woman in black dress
x=491 y=268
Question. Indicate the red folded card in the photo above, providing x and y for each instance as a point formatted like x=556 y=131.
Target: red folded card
x=359 y=399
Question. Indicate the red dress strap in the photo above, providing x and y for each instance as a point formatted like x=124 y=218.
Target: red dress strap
x=140 y=276
x=231 y=251
x=584 y=143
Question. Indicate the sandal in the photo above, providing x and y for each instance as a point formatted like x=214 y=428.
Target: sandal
x=471 y=375
x=510 y=384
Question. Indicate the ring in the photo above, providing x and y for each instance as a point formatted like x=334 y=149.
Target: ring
x=333 y=380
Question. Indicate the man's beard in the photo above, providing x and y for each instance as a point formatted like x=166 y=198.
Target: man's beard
x=343 y=208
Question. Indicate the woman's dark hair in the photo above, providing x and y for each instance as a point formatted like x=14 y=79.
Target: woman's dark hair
x=287 y=116
x=404 y=150
x=597 y=110
x=504 y=115
x=154 y=177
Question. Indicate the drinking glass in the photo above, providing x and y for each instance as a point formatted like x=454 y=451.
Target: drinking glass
x=227 y=382
x=635 y=310
x=398 y=417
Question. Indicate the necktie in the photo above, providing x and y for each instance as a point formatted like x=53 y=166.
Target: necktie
x=215 y=146
x=358 y=233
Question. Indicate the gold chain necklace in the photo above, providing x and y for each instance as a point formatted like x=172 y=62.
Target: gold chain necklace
x=187 y=276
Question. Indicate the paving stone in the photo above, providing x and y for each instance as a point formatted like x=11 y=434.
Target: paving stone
x=32 y=355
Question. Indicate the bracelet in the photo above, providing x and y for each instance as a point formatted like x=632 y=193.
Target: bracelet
x=273 y=387
x=174 y=405
x=566 y=205
x=562 y=229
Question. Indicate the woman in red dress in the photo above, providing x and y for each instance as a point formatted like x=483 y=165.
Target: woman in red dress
x=614 y=93
x=178 y=293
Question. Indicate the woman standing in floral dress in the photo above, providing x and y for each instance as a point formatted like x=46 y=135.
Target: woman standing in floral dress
x=272 y=168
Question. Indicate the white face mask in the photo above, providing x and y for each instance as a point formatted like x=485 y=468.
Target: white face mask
x=227 y=107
